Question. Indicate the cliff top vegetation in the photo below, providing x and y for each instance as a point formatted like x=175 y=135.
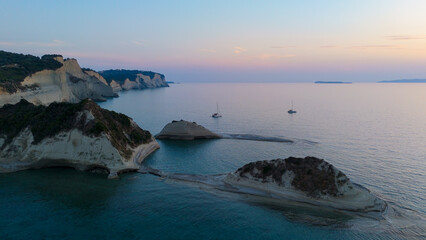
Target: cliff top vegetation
x=120 y=75
x=48 y=121
x=14 y=68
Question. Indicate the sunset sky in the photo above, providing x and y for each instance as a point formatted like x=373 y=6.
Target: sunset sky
x=229 y=41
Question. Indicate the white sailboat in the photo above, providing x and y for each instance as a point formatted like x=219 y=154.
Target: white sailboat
x=291 y=111
x=216 y=114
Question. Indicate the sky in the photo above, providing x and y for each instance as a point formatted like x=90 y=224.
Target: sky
x=227 y=41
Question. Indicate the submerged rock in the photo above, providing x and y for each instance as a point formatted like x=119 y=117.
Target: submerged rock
x=83 y=136
x=309 y=180
x=184 y=130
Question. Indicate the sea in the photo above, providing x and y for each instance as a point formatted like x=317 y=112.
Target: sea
x=374 y=132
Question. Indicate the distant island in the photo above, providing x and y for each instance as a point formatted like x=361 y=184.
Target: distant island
x=332 y=82
x=404 y=81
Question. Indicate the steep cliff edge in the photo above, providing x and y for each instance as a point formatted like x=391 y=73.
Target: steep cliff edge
x=133 y=79
x=47 y=79
x=310 y=180
x=83 y=136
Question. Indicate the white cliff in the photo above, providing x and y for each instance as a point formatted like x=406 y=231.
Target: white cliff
x=154 y=82
x=65 y=84
x=92 y=138
x=133 y=79
x=96 y=75
x=128 y=85
x=116 y=87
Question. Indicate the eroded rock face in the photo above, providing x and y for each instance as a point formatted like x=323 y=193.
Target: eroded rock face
x=67 y=83
x=310 y=180
x=96 y=75
x=184 y=130
x=83 y=136
x=121 y=79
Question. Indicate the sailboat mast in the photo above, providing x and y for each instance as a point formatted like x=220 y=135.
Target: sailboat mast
x=217 y=107
x=292 y=104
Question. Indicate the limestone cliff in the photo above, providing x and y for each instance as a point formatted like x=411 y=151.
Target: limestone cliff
x=39 y=82
x=133 y=79
x=83 y=136
x=96 y=75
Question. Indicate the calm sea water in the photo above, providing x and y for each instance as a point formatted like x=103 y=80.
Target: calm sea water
x=375 y=133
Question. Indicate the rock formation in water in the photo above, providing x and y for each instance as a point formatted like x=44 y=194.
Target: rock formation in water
x=133 y=79
x=47 y=79
x=309 y=180
x=184 y=130
x=83 y=136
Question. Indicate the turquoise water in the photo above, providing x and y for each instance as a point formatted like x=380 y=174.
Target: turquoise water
x=375 y=133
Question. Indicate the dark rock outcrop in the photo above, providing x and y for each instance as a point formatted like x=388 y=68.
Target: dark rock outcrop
x=312 y=175
x=309 y=180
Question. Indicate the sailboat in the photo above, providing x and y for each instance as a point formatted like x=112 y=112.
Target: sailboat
x=291 y=111
x=216 y=114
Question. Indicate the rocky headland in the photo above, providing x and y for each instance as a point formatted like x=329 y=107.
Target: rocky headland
x=184 y=130
x=82 y=136
x=52 y=78
x=309 y=180
x=133 y=79
x=48 y=79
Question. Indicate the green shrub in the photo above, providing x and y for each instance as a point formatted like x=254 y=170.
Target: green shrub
x=267 y=169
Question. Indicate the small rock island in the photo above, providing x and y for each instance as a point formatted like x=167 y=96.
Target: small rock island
x=79 y=135
x=310 y=180
x=184 y=130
